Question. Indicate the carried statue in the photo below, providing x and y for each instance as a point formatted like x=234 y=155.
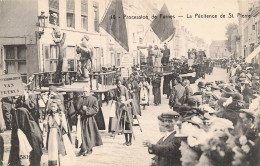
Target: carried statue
x=86 y=51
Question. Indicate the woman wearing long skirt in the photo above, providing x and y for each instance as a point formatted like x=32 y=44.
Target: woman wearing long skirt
x=58 y=143
x=144 y=93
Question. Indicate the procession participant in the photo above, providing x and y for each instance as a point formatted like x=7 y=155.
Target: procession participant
x=166 y=85
x=31 y=105
x=157 y=56
x=1 y=150
x=99 y=117
x=58 y=143
x=144 y=92
x=23 y=120
x=166 y=55
x=122 y=95
x=167 y=148
x=156 y=84
x=121 y=90
x=188 y=90
x=88 y=107
x=177 y=94
x=135 y=93
x=70 y=109
x=6 y=108
x=2 y=121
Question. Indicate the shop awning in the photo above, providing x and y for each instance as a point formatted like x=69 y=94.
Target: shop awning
x=252 y=55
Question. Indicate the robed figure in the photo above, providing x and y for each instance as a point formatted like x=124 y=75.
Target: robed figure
x=24 y=121
x=88 y=107
x=166 y=55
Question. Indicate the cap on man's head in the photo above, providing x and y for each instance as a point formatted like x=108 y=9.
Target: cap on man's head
x=170 y=115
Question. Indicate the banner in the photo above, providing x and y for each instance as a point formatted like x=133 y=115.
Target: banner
x=11 y=85
x=114 y=23
x=163 y=27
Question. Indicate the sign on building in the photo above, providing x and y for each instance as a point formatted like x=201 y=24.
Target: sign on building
x=11 y=85
x=126 y=63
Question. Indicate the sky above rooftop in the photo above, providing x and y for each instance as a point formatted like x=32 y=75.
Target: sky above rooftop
x=208 y=29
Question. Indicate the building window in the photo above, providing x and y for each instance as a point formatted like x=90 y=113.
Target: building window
x=84 y=14
x=15 y=59
x=54 y=52
x=246 y=34
x=71 y=13
x=54 y=10
x=96 y=16
x=70 y=56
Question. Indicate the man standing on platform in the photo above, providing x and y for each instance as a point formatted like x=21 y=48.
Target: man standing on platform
x=167 y=148
x=88 y=107
x=166 y=55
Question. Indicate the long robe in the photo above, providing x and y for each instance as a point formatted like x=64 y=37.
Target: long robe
x=166 y=85
x=23 y=120
x=71 y=112
x=2 y=122
x=156 y=83
x=55 y=145
x=89 y=129
x=113 y=121
x=99 y=117
x=1 y=150
x=136 y=97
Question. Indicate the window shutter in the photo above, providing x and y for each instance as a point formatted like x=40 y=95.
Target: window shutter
x=71 y=6
x=84 y=7
x=54 y=5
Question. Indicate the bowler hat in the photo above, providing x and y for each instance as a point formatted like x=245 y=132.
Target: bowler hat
x=201 y=84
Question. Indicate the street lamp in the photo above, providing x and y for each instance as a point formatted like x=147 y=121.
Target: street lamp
x=41 y=23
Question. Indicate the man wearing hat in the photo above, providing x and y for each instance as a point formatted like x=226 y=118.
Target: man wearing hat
x=177 y=94
x=88 y=107
x=167 y=148
x=201 y=88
